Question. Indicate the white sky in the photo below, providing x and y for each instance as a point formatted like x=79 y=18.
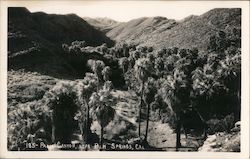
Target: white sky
x=127 y=10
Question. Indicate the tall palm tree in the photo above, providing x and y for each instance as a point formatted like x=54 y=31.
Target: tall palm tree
x=175 y=93
x=149 y=94
x=101 y=103
x=97 y=67
x=142 y=72
x=89 y=86
x=62 y=101
x=230 y=72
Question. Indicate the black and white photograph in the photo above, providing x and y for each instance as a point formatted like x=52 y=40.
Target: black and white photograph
x=125 y=76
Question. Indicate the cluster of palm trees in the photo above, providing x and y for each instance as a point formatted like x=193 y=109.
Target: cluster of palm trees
x=177 y=78
x=87 y=99
x=187 y=77
x=180 y=77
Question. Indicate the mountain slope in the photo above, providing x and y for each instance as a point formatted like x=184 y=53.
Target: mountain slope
x=193 y=31
x=103 y=24
x=197 y=31
x=140 y=29
x=55 y=28
x=35 y=39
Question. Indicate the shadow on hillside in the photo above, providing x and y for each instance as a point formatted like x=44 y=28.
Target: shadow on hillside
x=61 y=66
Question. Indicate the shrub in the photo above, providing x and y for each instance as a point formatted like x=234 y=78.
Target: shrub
x=228 y=122
x=217 y=125
x=26 y=125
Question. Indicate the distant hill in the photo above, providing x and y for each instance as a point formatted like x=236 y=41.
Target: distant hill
x=138 y=30
x=103 y=24
x=35 y=39
x=192 y=31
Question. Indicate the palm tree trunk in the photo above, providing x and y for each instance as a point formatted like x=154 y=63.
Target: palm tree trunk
x=101 y=138
x=53 y=128
x=97 y=83
x=238 y=102
x=203 y=122
x=87 y=126
x=123 y=70
x=142 y=89
x=178 y=133
x=139 y=133
x=146 y=135
x=81 y=127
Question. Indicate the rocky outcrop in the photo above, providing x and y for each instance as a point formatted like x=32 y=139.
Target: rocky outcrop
x=223 y=142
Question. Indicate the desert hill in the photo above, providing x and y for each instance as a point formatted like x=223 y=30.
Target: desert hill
x=192 y=31
x=140 y=29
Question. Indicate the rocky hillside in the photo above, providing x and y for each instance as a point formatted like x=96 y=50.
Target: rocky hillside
x=192 y=31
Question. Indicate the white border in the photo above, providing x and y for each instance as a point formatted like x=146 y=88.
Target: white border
x=244 y=154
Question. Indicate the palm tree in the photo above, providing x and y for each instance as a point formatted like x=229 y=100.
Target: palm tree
x=169 y=63
x=87 y=87
x=125 y=49
x=63 y=103
x=106 y=72
x=149 y=94
x=175 y=93
x=151 y=58
x=159 y=66
x=142 y=72
x=97 y=67
x=230 y=73
x=101 y=107
x=123 y=63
